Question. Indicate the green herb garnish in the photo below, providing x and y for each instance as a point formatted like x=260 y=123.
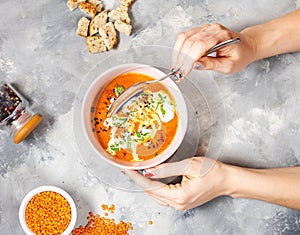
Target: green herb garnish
x=163 y=111
x=138 y=134
x=116 y=120
x=119 y=89
x=114 y=147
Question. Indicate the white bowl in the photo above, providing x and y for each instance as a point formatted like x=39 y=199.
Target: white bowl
x=90 y=100
x=35 y=191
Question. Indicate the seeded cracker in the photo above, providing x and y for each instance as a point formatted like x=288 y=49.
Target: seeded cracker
x=123 y=27
x=98 y=21
x=126 y=3
x=83 y=26
x=108 y=33
x=88 y=9
x=96 y=3
x=96 y=27
x=120 y=14
x=73 y=4
x=95 y=44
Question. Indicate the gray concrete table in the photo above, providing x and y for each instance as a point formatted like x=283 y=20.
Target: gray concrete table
x=42 y=55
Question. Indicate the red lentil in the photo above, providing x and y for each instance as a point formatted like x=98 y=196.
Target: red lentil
x=98 y=225
x=48 y=213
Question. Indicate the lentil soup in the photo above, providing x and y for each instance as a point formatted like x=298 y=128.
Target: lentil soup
x=146 y=125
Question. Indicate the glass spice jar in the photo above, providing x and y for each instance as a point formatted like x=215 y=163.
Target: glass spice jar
x=15 y=115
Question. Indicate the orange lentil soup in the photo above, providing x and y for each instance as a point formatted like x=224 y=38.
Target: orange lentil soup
x=146 y=125
x=48 y=213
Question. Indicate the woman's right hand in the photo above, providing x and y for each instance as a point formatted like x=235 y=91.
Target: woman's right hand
x=191 y=45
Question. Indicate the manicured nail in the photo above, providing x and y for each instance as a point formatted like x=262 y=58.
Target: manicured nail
x=198 y=65
x=147 y=174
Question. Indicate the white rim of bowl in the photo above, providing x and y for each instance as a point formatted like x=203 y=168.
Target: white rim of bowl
x=35 y=191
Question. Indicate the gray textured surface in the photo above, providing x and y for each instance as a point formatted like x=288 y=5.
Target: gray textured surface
x=42 y=55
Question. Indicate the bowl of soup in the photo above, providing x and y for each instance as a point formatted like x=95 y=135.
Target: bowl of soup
x=149 y=128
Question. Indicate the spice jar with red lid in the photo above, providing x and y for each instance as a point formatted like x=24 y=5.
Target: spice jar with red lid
x=16 y=117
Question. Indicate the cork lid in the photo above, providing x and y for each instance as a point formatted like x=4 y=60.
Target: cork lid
x=27 y=128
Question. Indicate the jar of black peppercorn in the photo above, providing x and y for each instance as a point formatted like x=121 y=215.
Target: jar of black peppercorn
x=15 y=115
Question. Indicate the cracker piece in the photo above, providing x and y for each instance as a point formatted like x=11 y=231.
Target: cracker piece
x=73 y=4
x=88 y=9
x=123 y=27
x=96 y=3
x=98 y=21
x=83 y=27
x=109 y=35
x=95 y=44
x=126 y=3
x=120 y=14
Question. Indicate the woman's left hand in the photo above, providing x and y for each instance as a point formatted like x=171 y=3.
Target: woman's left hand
x=195 y=189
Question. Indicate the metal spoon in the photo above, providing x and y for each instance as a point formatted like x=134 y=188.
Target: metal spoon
x=138 y=88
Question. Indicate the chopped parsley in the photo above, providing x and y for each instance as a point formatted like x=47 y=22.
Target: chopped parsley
x=117 y=121
x=163 y=111
x=119 y=89
x=114 y=147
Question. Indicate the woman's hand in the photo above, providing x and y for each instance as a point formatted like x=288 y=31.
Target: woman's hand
x=191 y=45
x=204 y=179
x=278 y=36
x=194 y=189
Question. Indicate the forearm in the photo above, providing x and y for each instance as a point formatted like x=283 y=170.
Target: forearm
x=281 y=35
x=280 y=186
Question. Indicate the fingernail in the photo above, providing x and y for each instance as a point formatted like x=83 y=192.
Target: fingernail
x=147 y=174
x=198 y=65
x=178 y=75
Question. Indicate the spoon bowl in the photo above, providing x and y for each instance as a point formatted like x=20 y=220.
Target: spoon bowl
x=135 y=91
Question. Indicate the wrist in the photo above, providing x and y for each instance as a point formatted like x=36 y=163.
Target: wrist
x=251 y=42
x=265 y=40
x=231 y=185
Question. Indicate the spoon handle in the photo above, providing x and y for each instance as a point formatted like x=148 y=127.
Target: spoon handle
x=172 y=73
x=221 y=45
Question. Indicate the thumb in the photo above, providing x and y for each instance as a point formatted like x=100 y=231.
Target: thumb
x=221 y=64
x=168 y=169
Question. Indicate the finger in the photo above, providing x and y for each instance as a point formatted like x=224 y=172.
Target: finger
x=161 y=192
x=196 y=45
x=221 y=64
x=160 y=201
x=169 y=169
x=180 y=40
x=193 y=49
x=142 y=181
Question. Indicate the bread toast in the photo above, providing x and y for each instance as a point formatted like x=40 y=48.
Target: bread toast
x=95 y=44
x=108 y=33
x=83 y=26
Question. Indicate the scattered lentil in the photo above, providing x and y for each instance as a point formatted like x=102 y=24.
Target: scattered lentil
x=98 y=225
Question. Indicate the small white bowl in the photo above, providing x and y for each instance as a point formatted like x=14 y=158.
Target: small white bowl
x=35 y=191
x=90 y=100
